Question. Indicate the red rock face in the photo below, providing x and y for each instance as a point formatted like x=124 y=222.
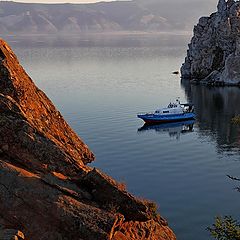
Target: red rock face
x=43 y=119
x=46 y=189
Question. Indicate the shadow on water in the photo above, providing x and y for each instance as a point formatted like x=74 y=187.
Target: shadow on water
x=215 y=107
x=175 y=129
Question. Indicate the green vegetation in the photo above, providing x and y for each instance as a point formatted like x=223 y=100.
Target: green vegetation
x=152 y=207
x=236 y=120
x=225 y=229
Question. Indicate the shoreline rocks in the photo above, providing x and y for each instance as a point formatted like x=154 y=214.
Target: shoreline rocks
x=47 y=191
x=213 y=57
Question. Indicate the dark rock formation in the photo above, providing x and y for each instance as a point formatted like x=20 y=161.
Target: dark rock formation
x=46 y=189
x=7 y=234
x=213 y=56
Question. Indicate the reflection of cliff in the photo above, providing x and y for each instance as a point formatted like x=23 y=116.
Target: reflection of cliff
x=215 y=107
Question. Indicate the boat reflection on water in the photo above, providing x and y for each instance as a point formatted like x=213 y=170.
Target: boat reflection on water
x=175 y=129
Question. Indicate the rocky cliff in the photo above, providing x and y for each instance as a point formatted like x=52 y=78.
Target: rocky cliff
x=213 y=56
x=46 y=189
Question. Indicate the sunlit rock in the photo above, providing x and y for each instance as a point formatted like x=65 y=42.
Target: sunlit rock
x=47 y=191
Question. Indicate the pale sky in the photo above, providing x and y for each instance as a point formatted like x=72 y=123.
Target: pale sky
x=60 y=1
x=92 y=1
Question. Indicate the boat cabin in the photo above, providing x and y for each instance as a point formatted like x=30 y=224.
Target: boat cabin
x=172 y=108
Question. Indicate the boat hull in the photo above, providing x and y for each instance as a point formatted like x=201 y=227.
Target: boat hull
x=154 y=119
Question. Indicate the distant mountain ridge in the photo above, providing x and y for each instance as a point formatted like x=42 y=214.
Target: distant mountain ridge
x=136 y=15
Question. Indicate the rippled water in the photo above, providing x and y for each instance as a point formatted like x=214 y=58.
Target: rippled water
x=100 y=85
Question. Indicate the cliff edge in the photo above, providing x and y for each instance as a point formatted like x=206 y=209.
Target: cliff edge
x=46 y=189
x=213 y=56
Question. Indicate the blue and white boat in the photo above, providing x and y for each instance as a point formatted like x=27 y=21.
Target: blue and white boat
x=174 y=112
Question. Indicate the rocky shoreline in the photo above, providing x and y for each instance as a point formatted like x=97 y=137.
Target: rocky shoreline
x=213 y=57
x=47 y=191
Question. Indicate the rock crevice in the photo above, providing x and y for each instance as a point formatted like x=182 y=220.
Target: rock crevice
x=213 y=56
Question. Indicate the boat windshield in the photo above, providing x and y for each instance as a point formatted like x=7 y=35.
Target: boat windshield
x=173 y=105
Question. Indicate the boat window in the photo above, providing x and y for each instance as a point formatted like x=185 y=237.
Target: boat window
x=165 y=111
x=156 y=111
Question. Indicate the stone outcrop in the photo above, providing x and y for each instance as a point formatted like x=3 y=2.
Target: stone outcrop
x=46 y=189
x=213 y=56
x=9 y=234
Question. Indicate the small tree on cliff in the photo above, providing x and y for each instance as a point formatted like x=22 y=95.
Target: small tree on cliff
x=226 y=228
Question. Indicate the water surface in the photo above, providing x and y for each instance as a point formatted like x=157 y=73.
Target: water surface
x=100 y=84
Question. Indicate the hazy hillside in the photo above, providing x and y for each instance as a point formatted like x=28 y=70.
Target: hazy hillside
x=136 y=15
x=180 y=13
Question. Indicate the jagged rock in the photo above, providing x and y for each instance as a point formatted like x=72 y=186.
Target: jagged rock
x=131 y=207
x=39 y=125
x=47 y=191
x=143 y=230
x=232 y=69
x=10 y=234
x=214 y=47
x=222 y=6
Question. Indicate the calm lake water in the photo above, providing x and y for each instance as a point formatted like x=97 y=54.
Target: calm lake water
x=99 y=84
